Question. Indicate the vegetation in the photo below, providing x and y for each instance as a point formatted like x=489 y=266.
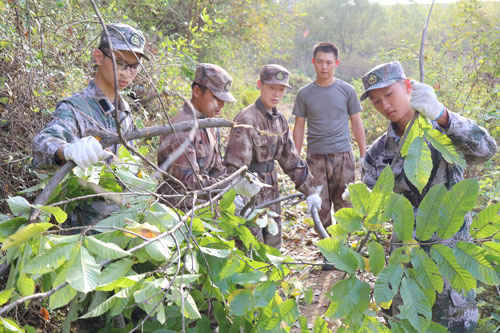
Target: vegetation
x=164 y=270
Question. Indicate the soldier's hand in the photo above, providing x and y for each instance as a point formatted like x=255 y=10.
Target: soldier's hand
x=85 y=152
x=424 y=100
x=249 y=186
x=314 y=200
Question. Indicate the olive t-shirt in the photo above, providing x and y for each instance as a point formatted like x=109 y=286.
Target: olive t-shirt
x=327 y=111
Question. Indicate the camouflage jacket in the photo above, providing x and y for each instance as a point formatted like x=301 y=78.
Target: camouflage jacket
x=203 y=153
x=267 y=140
x=472 y=140
x=72 y=119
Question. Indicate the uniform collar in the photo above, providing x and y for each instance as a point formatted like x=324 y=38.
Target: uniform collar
x=391 y=133
x=187 y=109
x=98 y=95
x=262 y=108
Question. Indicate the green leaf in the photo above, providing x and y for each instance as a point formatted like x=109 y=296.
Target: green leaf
x=450 y=269
x=349 y=219
x=471 y=258
x=360 y=197
x=187 y=303
x=412 y=134
x=349 y=297
x=455 y=204
x=10 y=326
x=418 y=163
x=114 y=271
x=25 y=285
x=377 y=257
x=104 y=250
x=19 y=205
x=102 y=307
x=387 y=283
x=250 y=277
x=227 y=200
x=320 y=326
x=58 y=213
x=219 y=253
x=401 y=212
x=289 y=311
x=24 y=233
x=308 y=295
x=62 y=297
x=220 y=316
x=426 y=271
x=381 y=190
x=493 y=249
x=83 y=273
x=242 y=302
x=136 y=183
x=445 y=146
x=303 y=325
x=415 y=303
x=5 y=295
x=487 y=222
x=159 y=250
x=50 y=260
x=338 y=254
x=427 y=215
x=264 y=293
x=8 y=227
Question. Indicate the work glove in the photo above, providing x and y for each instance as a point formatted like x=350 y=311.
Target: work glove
x=314 y=200
x=249 y=186
x=424 y=100
x=85 y=152
x=239 y=204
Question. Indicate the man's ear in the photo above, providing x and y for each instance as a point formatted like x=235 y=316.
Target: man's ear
x=259 y=84
x=409 y=87
x=196 y=91
x=98 y=57
x=312 y=60
x=337 y=62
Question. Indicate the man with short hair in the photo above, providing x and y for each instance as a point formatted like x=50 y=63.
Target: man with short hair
x=266 y=138
x=328 y=104
x=66 y=136
x=396 y=98
x=200 y=164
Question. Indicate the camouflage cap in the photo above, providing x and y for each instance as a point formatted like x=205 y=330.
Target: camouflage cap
x=382 y=76
x=274 y=74
x=216 y=79
x=124 y=37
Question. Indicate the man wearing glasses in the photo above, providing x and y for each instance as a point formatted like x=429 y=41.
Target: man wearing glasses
x=66 y=136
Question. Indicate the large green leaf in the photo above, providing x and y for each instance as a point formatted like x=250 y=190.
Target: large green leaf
x=5 y=296
x=139 y=184
x=360 y=197
x=493 y=250
x=289 y=311
x=349 y=219
x=250 y=277
x=187 y=303
x=428 y=210
x=377 y=257
x=242 y=302
x=415 y=132
x=471 y=258
x=415 y=303
x=381 y=190
x=455 y=204
x=401 y=212
x=24 y=233
x=114 y=271
x=450 y=269
x=219 y=253
x=104 y=250
x=62 y=297
x=50 y=260
x=159 y=250
x=426 y=271
x=25 y=285
x=418 y=163
x=83 y=273
x=387 y=283
x=320 y=326
x=339 y=254
x=487 y=222
x=10 y=326
x=19 y=205
x=264 y=293
x=443 y=144
x=349 y=297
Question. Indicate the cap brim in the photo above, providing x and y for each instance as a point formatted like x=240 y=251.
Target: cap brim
x=377 y=86
x=126 y=48
x=277 y=82
x=223 y=95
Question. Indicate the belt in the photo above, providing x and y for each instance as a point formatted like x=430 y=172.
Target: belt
x=262 y=167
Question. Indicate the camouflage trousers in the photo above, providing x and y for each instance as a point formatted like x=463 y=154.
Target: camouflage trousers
x=90 y=212
x=268 y=194
x=333 y=172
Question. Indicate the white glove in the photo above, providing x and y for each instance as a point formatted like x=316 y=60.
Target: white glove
x=85 y=152
x=362 y=164
x=239 y=204
x=424 y=100
x=249 y=186
x=314 y=200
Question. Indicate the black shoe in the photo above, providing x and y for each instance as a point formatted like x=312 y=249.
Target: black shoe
x=326 y=266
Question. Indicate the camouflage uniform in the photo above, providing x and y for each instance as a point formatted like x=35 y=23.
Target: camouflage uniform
x=201 y=161
x=76 y=115
x=258 y=147
x=453 y=310
x=203 y=152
